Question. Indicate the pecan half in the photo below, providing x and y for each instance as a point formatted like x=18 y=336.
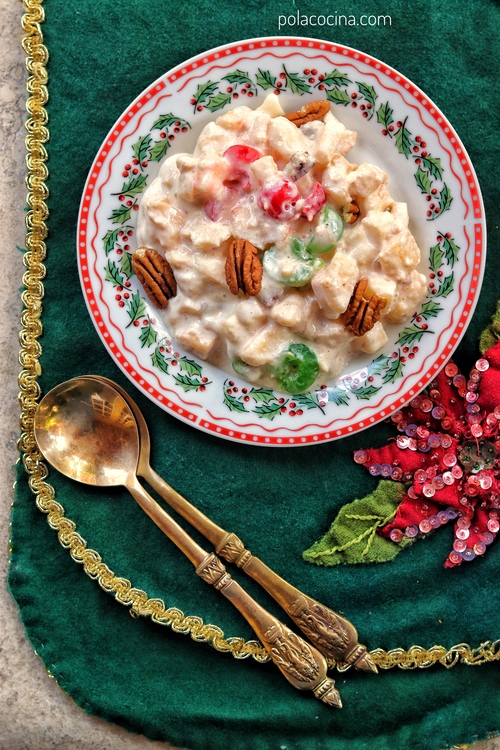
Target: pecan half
x=156 y=276
x=243 y=268
x=362 y=312
x=350 y=212
x=311 y=111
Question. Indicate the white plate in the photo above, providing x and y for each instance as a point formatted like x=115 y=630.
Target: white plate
x=399 y=129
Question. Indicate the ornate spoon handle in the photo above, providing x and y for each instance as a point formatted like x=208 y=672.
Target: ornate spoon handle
x=331 y=633
x=302 y=665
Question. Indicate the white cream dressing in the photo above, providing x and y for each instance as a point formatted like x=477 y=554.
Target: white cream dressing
x=199 y=203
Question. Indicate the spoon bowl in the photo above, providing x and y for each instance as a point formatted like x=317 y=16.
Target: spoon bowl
x=87 y=431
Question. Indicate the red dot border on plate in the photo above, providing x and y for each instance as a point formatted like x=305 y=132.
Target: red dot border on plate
x=189 y=67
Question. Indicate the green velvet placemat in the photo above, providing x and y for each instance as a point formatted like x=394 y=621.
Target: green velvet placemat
x=149 y=678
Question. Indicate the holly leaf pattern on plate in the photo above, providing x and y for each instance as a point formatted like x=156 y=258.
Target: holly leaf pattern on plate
x=113 y=274
x=384 y=115
x=141 y=148
x=159 y=361
x=403 y=140
x=218 y=101
x=432 y=165
x=265 y=80
x=136 y=308
x=435 y=258
x=447 y=286
x=296 y=83
x=159 y=150
x=338 y=96
x=336 y=78
x=423 y=180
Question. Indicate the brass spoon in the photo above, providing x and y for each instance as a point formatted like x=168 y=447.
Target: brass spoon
x=332 y=634
x=87 y=431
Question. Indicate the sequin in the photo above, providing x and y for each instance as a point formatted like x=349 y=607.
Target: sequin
x=476 y=430
x=451 y=369
x=459 y=380
x=485 y=482
x=434 y=522
x=480 y=548
x=438 y=482
x=360 y=457
x=464 y=501
x=412 y=445
x=472 y=385
x=463 y=523
x=482 y=365
x=446 y=441
x=415 y=403
x=397 y=417
x=451 y=513
x=374 y=470
x=423 y=446
x=426 y=405
x=496 y=412
x=402 y=425
x=434 y=441
x=468 y=555
x=448 y=478
x=493 y=525
x=423 y=432
x=470 y=396
x=397 y=473
x=411 y=531
x=475 y=375
x=431 y=472
x=491 y=420
x=428 y=490
x=411 y=430
x=402 y=442
x=396 y=535
x=425 y=526
x=449 y=459
x=459 y=545
x=457 y=472
x=486 y=537
x=438 y=412
x=462 y=533
x=447 y=423
x=386 y=470
x=473 y=408
x=420 y=476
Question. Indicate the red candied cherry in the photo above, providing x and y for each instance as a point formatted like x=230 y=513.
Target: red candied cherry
x=369 y=106
x=119 y=289
x=362 y=107
x=418 y=138
x=163 y=135
x=176 y=355
x=235 y=389
x=174 y=362
x=144 y=322
x=243 y=91
x=419 y=319
x=231 y=383
x=135 y=161
x=177 y=123
x=321 y=77
x=118 y=296
x=281 y=401
x=250 y=93
x=312 y=80
x=436 y=210
x=204 y=380
x=415 y=349
x=292 y=413
x=432 y=275
x=121 y=197
x=120 y=233
x=248 y=85
x=416 y=149
x=314 y=202
x=405 y=349
x=403 y=359
x=365 y=114
x=280 y=200
x=126 y=295
x=424 y=154
x=130 y=232
x=440 y=273
x=391 y=128
x=384 y=131
x=119 y=251
x=423 y=144
x=429 y=213
x=411 y=355
x=299 y=412
x=129 y=203
x=399 y=124
x=448 y=236
x=246 y=398
x=433 y=205
x=283 y=409
x=292 y=404
x=162 y=349
x=244 y=390
x=418 y=161
x=434 y=191
x=177 y=130
x=425 y=326
x=354 y=104
x=128 y=284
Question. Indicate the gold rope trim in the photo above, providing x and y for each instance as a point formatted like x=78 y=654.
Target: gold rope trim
x=31 y=328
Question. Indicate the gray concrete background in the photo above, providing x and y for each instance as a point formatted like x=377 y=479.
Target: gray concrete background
x=34 y=713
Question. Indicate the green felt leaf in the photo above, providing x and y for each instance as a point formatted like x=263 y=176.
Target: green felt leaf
x=491 y=334
x=337 y=96
x=353 y=538
x=265 y=80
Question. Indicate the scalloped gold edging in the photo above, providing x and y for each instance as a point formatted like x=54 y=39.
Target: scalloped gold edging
x=31 y=328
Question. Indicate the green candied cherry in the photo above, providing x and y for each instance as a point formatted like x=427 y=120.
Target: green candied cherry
x=293 y=267
x=297 y=368
x=328 y=231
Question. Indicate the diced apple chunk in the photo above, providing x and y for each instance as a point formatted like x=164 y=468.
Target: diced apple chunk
x=286 y=138
x=334 y=284
x=262 y=347
x=373 y=340
x=197 y=338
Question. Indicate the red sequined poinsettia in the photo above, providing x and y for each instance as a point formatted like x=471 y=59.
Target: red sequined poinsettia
x=449 y=450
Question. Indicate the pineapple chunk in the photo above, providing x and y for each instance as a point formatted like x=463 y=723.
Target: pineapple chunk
x=373 y=340
x=285 y=138
x=334 y=284
x=195 y=337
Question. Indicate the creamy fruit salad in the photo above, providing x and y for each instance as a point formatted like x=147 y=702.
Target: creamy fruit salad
x=288 y=259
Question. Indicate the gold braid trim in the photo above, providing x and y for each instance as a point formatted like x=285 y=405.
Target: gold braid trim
x=31 y=328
